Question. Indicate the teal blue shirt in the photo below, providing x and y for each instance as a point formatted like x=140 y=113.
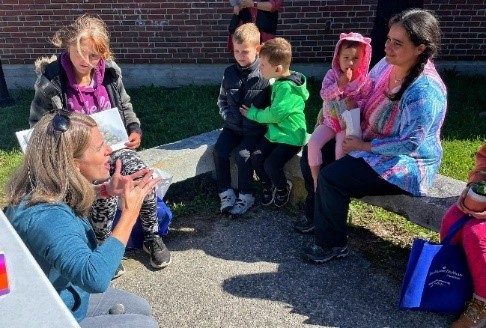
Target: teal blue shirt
x=65 y=247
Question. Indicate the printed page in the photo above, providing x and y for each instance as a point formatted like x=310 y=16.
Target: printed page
x=110 y=125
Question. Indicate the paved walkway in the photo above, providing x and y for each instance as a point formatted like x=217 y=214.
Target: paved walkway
x=248 y=273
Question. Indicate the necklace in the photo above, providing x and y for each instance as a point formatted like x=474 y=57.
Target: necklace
x=397 y=80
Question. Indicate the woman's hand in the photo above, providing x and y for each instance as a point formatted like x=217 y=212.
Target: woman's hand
x=134 y=140
x=244 y=110
x=246 y=3
x=351 y=143
x=236 y=10
x=116 y=185
x=134 y=192
x=460 y=205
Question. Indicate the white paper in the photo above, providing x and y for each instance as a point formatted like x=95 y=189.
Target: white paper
x=110 y=125
x=352 y=119
x=23 y=138
x=162 y=187
x=111 y=128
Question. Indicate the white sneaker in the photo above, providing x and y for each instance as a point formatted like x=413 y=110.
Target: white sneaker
x=243 y=204
x=228 y=199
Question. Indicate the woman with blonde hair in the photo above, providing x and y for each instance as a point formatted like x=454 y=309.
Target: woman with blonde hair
x=50 y=196
x=85 y=79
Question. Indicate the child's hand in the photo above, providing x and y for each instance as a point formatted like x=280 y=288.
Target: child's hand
x=134 y=140
x=244 y=110
x=236 y=10
x=350 y=103
x=345 y=78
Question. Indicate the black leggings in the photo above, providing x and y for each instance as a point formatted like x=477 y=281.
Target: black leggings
x=268 y=160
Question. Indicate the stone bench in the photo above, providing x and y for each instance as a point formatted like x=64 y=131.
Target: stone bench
x=192 y=156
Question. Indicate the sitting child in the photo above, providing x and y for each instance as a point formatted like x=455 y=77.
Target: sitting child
x=285 y=118
x=345 y=86
x=242 y=84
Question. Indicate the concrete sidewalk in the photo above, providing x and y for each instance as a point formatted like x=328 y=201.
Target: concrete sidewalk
x=249 y=273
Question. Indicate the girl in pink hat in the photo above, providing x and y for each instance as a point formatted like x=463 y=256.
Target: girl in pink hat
x=345 y=86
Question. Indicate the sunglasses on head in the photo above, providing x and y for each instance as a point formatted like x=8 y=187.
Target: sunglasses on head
x=61 y=122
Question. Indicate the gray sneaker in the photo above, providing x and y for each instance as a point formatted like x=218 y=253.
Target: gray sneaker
x=282 y=196
x=243 y=204
x=228 y=199
x=319 y=255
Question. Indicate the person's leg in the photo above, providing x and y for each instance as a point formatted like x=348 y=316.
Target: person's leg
x=258 y=157
x=153 y=243
x=243 y=152
x=321 y=135
x=474 y=242
x=339 y=144
x=101 y=217
x=227 y=141
x=118 y=308
x=274 y=166
x=338 y=182
x=327 y=152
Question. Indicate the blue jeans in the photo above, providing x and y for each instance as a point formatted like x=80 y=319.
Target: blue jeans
x=137 y=311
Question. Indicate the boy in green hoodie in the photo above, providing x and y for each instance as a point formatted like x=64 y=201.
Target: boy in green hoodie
x=285 y=117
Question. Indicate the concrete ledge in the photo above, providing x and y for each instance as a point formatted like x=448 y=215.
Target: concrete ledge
x=190 y=157
x=425 y=211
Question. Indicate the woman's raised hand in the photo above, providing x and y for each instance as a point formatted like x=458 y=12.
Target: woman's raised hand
x=116 y=185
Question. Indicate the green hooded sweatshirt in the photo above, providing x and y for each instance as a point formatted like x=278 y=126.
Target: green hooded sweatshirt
x=285 y=116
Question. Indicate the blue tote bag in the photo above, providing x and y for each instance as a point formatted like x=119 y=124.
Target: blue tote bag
x=164 y=216
x=437 y=278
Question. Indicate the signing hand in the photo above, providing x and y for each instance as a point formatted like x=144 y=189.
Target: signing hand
x=116 y=185
x=244 y=110
x=134 y=140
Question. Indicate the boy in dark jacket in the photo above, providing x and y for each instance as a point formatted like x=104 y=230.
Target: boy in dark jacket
x=242 y=84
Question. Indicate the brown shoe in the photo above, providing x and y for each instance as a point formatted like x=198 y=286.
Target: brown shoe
x=474 y=316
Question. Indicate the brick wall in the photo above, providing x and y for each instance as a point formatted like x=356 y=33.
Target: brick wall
x=166 y=31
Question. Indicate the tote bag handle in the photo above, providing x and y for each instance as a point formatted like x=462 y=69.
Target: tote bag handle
x=454 y=229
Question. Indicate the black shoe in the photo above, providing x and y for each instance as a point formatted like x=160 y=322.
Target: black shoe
x=282 y=196
x=304 y=226
x=120 y=271
x=319 y=255
x=159 y=254
x=268 y=196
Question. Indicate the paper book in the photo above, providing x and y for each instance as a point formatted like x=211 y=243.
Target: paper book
x=110 y=125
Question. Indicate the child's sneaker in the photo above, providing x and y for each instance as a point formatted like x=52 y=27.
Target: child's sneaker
x=243 y=204
x=228 y=199
x=159 y=254
x=282 y=196
x=268 y=196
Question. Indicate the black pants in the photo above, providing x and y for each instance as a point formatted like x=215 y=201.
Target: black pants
x=337 y=183
x=243 y=146
x=269 y=159
x=328 y=156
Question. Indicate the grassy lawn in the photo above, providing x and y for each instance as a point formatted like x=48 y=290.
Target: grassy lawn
x=169 y=115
